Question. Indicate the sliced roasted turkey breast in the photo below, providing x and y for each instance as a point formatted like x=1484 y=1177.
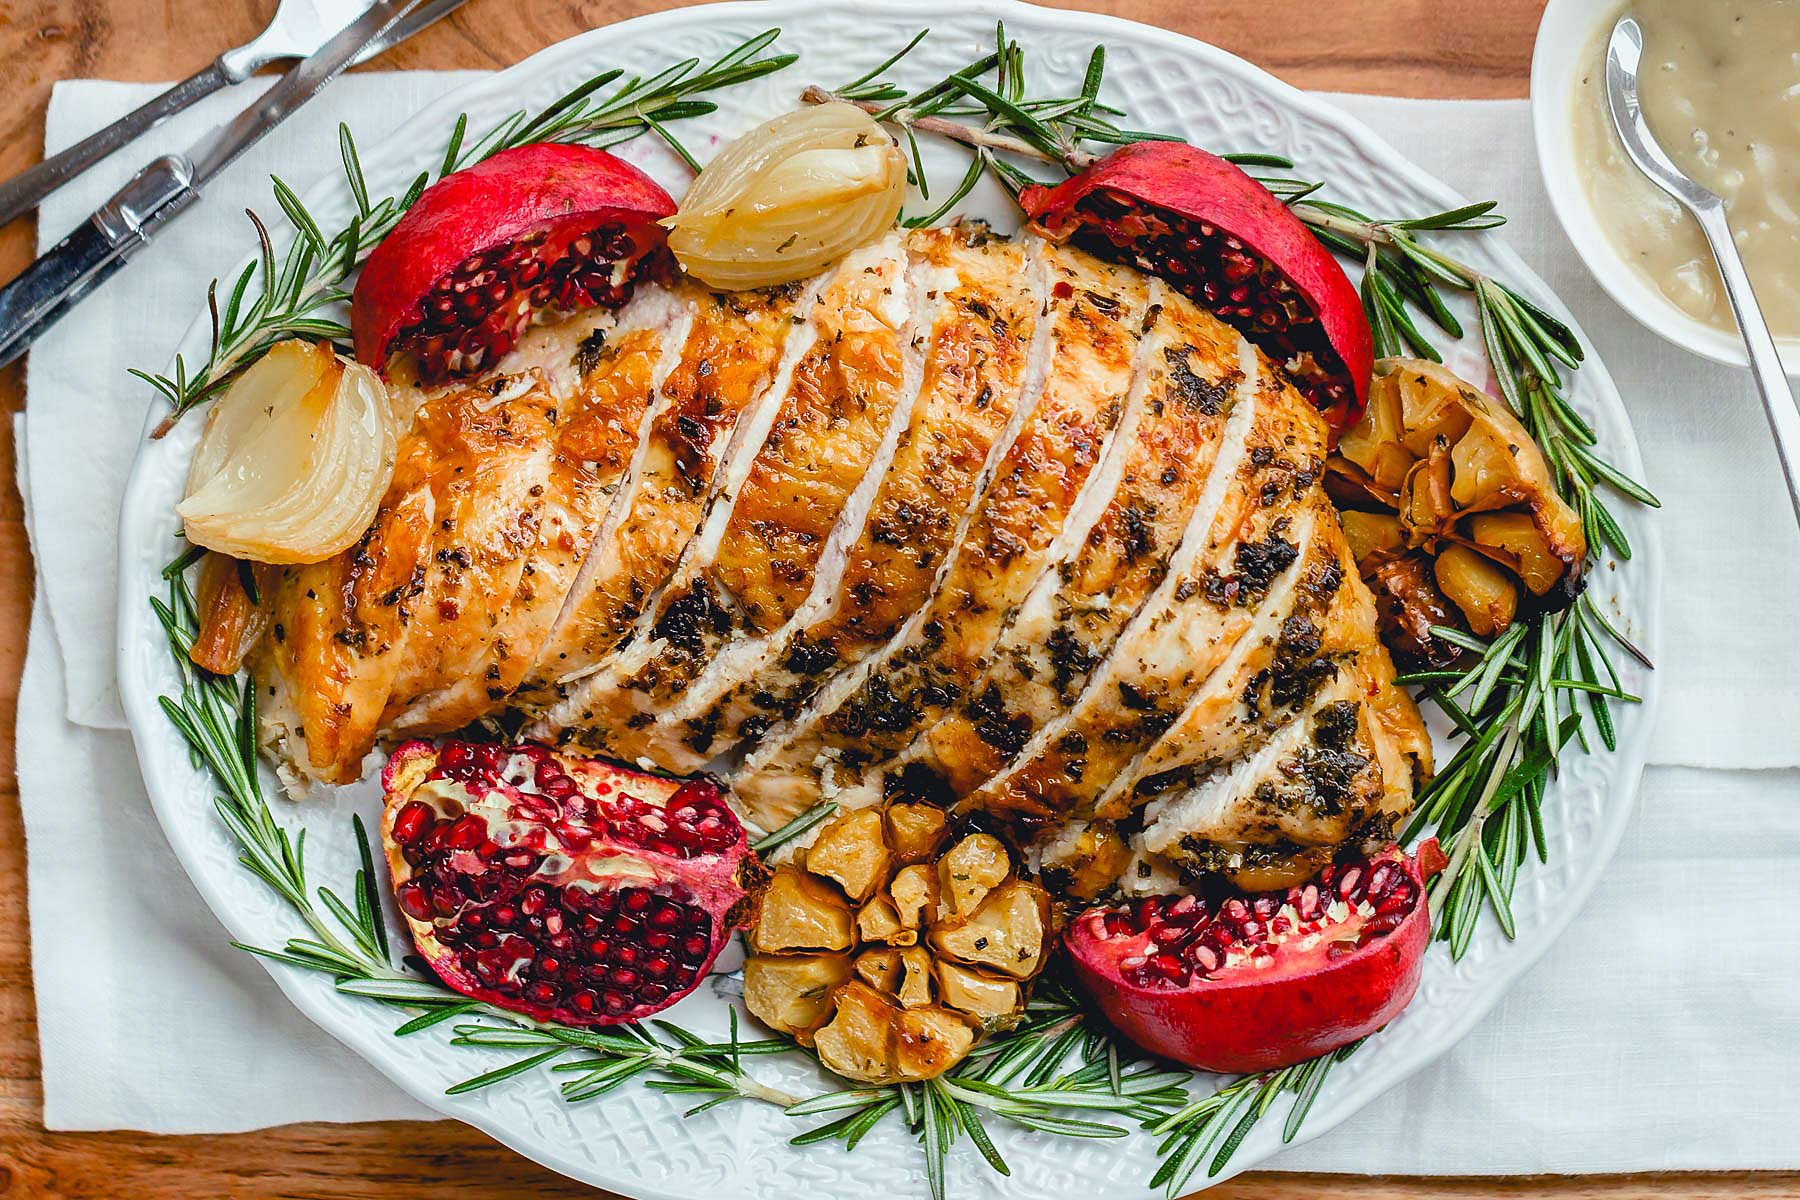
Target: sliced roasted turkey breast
x=983 y=520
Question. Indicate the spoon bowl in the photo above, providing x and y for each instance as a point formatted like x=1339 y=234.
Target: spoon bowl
x=1624 y=54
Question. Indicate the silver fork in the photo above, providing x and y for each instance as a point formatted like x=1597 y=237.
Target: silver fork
x=298 y=28
x=1624 y=51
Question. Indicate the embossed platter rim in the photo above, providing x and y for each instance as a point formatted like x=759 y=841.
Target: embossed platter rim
x=634 y=1140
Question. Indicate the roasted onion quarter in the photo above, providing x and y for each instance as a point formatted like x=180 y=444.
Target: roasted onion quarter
x=295 y=458
x=1450 y=510
x=789 y=198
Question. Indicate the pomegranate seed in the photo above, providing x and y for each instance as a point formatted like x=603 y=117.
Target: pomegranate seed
x=466 y=833
x=413 y=900
x=415 y=819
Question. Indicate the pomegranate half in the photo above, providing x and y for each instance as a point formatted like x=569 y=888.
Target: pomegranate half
x=1253 y=982
x=567 y=889
x=484 y=249
x=1228 y=244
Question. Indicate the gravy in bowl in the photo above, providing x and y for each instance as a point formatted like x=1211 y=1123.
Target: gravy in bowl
x=1720 y=86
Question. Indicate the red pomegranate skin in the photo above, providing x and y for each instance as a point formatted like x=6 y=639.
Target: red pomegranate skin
x=565 y=889
x=1207 y=190
x=556 y=190
x=1248 y=1019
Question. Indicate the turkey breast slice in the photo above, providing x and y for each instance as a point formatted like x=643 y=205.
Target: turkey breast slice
x=1082 y=365
x=1075 y=611
x=1330 y=775
x=1324 y=620
x=609 y=393
x=765 y=531
x=987 y=292
x=733 y=350
x=692 y=730
x=1214 y=590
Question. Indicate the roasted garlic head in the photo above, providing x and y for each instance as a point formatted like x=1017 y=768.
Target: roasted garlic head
x=1450 y=510
x=894 y=942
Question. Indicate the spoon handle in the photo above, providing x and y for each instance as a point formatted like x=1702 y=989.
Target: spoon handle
x=1765 y=362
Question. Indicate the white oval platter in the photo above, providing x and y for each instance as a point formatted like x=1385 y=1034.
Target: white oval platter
x=635 y=1140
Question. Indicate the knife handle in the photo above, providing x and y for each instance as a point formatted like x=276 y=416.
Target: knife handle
x=91 y=254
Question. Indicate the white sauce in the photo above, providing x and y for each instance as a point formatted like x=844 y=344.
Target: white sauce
x=1720 y=85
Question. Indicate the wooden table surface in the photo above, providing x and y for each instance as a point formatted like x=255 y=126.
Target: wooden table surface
x=1406 y=47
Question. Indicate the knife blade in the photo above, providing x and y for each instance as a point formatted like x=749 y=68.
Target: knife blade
x=100 y=246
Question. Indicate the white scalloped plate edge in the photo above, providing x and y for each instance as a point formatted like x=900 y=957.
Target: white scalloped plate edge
x=164 y=761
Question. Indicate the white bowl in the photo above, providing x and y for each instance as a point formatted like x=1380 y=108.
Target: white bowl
x=1564 y=34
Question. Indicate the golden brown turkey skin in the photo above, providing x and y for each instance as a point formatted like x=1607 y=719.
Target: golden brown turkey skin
x=1089 y=342
x=987 y=294
x=728 y=357
x=1186 y=388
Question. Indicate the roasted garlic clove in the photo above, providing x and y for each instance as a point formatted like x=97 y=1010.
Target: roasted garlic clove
x=930 y=1041
x=799 y=911
x=916 y=831
x=858 y=1041
x=879 y=921
x=915 y=894
x=852 y=850
x=1483 y=591
x=971 y=868
x=792 y=993
x=915 y=977
x=981 y=996
x=1373 y=538
x=1527 y=553
x=1007 y=933
x=880 y=969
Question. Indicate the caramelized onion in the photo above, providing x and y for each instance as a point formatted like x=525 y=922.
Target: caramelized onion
x=295 y=458
x=789 y=198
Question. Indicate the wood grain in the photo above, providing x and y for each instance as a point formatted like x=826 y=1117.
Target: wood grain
x=1408 y=47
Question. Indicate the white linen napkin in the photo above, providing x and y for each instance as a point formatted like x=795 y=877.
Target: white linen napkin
x=1657 y=1034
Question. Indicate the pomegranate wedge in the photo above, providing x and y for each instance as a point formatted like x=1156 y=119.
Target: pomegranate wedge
x=546 y=226
x=1253 y=982
x=1221 y=237
x=567 y=889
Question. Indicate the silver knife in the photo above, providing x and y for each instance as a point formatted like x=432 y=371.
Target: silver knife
x=100 y=246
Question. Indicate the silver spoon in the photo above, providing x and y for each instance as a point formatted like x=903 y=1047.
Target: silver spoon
x=1624 y=50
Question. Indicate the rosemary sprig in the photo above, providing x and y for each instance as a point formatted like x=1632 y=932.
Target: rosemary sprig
x=348 y=940
x=1210 y=1130
x=301 y=291
x=805 y=823
x=1518 y=704
x=1058 y=1062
